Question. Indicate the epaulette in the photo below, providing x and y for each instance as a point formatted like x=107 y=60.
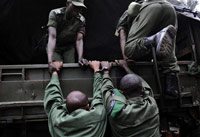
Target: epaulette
x=81 y=18
x=59 y=11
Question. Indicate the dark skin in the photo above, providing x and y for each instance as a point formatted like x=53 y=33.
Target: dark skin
x=106 y=64
x=57 y=65
x=76 y=99
x=123 y=64
x=122 y=35
x=95 y=65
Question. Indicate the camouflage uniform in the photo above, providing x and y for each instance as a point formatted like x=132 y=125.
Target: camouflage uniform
x=79 y=123
x=66 y=30
x=153 y=16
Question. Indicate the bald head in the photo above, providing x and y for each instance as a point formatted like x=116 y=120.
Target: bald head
x=131 y=85
x=76 y=100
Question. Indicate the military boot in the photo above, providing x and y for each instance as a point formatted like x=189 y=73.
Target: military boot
x=163 y=41
x=171 y=90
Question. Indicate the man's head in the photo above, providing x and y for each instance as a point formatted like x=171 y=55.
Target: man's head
x=131 y=85
x=77 y=3
x=74 y=7
x=133 y=9
x=77 y=100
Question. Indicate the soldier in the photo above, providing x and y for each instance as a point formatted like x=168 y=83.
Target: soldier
x=66 y=27
x=75 y=117
x=132 y=110
x=155 y=24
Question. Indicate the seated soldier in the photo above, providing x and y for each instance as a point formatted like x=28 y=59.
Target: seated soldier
x=75 y=117
x=132 y=110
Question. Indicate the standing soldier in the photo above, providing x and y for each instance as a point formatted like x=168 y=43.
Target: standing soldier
x=66 y=27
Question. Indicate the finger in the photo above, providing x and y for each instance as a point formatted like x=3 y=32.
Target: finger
x=80 y=62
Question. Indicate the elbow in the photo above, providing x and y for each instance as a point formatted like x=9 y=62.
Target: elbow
x=79 y=37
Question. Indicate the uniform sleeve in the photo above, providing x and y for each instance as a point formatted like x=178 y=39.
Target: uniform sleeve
x=97 y=97
x=123 y=22
x=81 y=28
x=114 y=101
x=53 y=95
x=107 y=88
x=52 y=19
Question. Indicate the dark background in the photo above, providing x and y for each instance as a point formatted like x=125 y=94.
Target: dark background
x=21 y=32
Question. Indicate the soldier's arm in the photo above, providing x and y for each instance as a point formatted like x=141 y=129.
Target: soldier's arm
x=122 y=35
x=50 y=48
x=122 y=27
x=79 y=41
x=97 y=98
x=53 y=94
x=122 y=23
x=79 y=47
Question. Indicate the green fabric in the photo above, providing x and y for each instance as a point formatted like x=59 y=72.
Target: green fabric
x=153 y=17
x=118 y=106
x=67 y=56
x=194 y=68
x=138 y=118
x=124 y=22
x=66 y=30
x=79 y=123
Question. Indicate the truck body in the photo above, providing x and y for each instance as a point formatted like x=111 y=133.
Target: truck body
x=22 y=86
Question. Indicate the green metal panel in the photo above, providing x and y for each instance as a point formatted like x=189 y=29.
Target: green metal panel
x=22 y=87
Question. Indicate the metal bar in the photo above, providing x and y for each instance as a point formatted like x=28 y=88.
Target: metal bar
x=193 y=44
x=157 y=75
x=11 y=74
x=34 y=66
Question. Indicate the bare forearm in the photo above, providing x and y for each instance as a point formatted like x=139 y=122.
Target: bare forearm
x=79 y=48
x=122 y=41
x=50 y=48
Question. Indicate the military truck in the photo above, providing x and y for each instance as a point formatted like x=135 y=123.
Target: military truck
x=22 y=86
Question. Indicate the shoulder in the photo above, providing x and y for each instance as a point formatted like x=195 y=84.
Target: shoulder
x=81 y=18
x=58 y=11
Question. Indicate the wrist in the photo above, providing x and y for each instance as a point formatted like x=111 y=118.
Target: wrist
x=105 y=69
x=106 y=72
x=97 y=70
x=54 y=73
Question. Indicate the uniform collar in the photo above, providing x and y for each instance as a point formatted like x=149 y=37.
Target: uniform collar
x=136 y=100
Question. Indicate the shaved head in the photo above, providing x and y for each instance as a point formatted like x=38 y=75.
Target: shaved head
x=76 y=100
x=131 y=85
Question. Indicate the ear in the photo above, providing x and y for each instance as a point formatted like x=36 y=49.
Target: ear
x=87 y=107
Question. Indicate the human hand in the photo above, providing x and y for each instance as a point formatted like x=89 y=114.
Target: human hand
x=83 y=62
x=125 y=57
x=121 y=63
x=51 y=67
x=55 y=66
x=58 y=65
x=94 y=65
x=105 y=65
